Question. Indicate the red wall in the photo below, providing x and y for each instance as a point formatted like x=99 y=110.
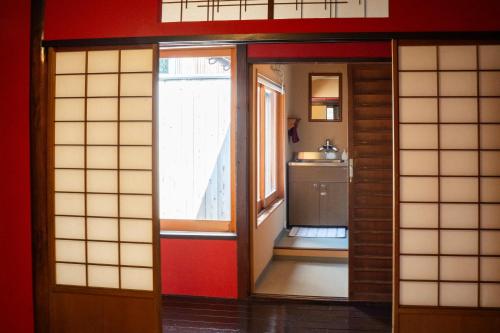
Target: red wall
x=15 y=238
x=133 y=18
x=199 y=267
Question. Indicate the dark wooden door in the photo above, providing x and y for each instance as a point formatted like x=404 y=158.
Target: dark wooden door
x=371 y=193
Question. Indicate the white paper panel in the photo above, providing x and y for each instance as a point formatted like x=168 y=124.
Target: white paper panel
x=70 y=62
x=228 y=13
x=136 y=230
x=490 y=189
x=135 y=158
x=136 y=108
x=136 y=254
x=458 y=84
x=136 y=133
x=69 y=157
x=490 y=269
x=69 y=133
x=136 y=182
x=102 y=253
x=103 y=276
x=490 y=242
x=458 y=268
x=490 y=163
x=105 y=205
x=457 y=57
x=136 y=84
x=418 y=162
x=418 y=136
x=171 y=12
x=103 y=181
x=419 y=189
x=350 y=8
x=415 y=110
x=458 y=294
x=490 y=110
x=459 y=163
x=286 y=11
x=255 y=12
x=418 y=241
x=70 y=109
x=489 y=56
x=459 y=216
x=459 y=189
x=137 y=278
x=69 y=180
x=377 y=8
x=137 y=60
x=102 y=157
x=458 y=110
x=418 y=267
x=70 y=86
x=191 y=12
x=102 y=109
x=490 y=138
x=70 y=250
x=138 y=206
x=69 y=204
x=71 y=274
x=458 y=242
x=103 y=61
x=418 y=293
x=315 y=10
x=490 y=216
x=102 y=229
x=102 y=133
x=70 y=227
x=458 y=136
x=489 y=84
x=490 y=295
x=102 y=85
x=417 y=84
x=417 y=215
x=417 y=58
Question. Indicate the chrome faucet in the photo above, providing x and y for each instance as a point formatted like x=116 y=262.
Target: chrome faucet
x=328 y=147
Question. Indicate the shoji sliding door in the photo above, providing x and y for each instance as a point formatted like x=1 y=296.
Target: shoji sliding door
x=102 y=219
x=447 y=118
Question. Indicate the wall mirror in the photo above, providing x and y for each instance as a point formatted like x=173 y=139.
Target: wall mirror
x=325 y=91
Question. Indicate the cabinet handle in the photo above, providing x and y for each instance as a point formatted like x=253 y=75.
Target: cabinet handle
x=315 y=186
x=351 y=170
x=323 y=194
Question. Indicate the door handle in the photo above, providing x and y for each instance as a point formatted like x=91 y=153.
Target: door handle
x=351 y=170
x=323 y=194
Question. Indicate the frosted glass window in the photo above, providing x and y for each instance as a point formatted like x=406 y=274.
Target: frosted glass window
x=490 y=163
x=490 y=189
x=69 y=180
x=136 y=108
x=457 y=57
x=136 y=206
x=102 y=157
x=69 y=204
x=135 y=230
x=458 y=268
x=418 y=136
x=103 y=181
x=137 y=278
x=416 y=110
x=67 y=109
x=458 y=136
x=417 y=84
x=459 y=163
x=418 y=267
x=102 y=253
x=418 y=162
x=70 y=227
x=102 y=85
x=135 y=133
x=459 y=216
x=459 y=189
x=418 y=215
x=70 y=62
x=102 y=109
x=103 y=61
x=418 y=189
x=490 y=269
x=71 y=274
x=103 y=276
x=458 y=110
x=69 y=157
x=489 y=56
x=490 y=295
x=458 y=83
x=458 y=242
x=137 y=60
x=70 y=250
x=136 y=254
x=69 y=133
x=458 y=294
x=489 y=83
x=136 y=85
x=418 y=293
x=490 y=138
x=490 y=216
x=136 y=182
x=490 y=110
x=419 y=241
x=70 y=86
x=102 y=229
x=102 y=133
x=417 y=58
x=135 y=158
x=105 y=205
x=490 y=242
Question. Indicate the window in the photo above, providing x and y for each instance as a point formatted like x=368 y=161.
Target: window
x=196 y=139
x=269 y=142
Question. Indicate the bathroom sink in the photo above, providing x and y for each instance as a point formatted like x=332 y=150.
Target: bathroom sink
x=315 y=156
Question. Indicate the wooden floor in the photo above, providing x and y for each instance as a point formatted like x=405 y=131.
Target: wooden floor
x=181 y=314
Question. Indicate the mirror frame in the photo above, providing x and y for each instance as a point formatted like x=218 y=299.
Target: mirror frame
x=309 y=100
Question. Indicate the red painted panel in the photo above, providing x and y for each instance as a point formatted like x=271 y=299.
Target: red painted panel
x=133 y=18
x=199 y=267
x=15 y=228
x=321 y=50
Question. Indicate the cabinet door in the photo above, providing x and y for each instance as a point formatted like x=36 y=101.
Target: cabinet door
x=333 y=204
x=304 y=202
